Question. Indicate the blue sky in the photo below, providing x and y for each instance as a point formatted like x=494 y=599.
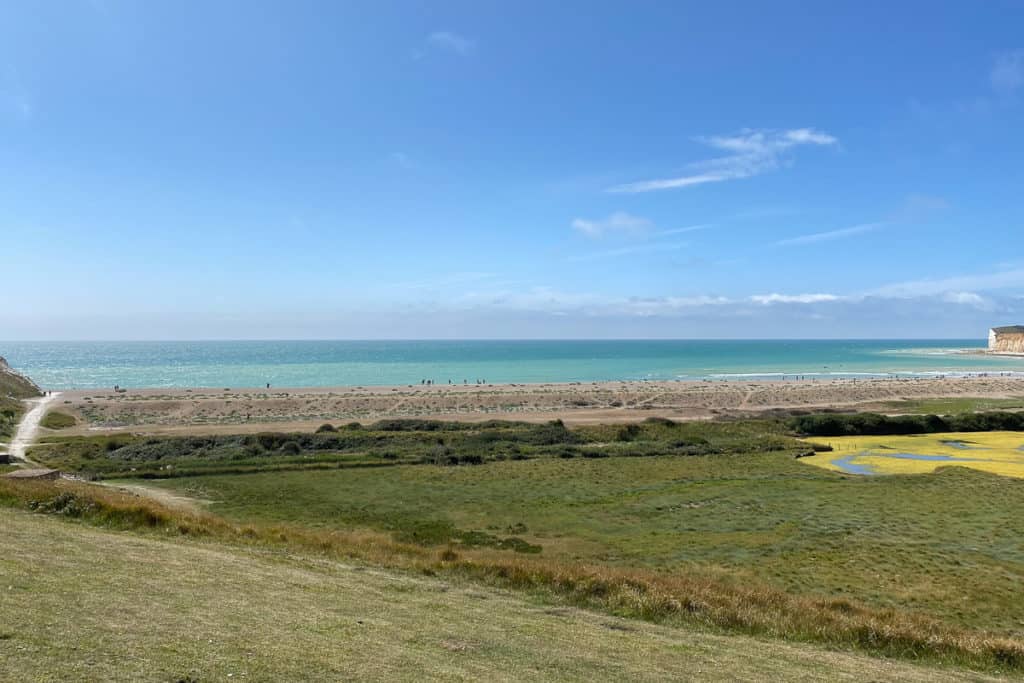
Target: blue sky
x=530 y=169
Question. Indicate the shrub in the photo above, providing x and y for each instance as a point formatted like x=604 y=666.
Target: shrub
x=871 y=424
x=628 y=432
x=325 y=428
x=58 y=420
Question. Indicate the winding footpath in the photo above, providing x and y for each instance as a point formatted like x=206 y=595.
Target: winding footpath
x=29 y=427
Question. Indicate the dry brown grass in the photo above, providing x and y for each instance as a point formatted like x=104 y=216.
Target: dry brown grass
x=81 y=603
x=649 y=595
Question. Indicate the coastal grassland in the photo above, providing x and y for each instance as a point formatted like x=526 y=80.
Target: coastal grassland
x=945 y=544
x=393 y=442
x=56 y=420
x=710 y=523
x=996 y=452
x=115 y=606
x=181 y=595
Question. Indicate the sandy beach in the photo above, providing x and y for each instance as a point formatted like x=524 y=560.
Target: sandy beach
x=238 y=410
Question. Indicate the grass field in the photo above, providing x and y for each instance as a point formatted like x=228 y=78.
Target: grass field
x=996 y=452
x=169 y=610
x=946 y=544
x=713 y=524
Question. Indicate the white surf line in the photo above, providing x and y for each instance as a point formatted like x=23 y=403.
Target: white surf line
x=28 y=427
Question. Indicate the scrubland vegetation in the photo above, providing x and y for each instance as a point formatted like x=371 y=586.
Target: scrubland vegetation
x=13 y=388
x=10 y=413
x=393 y=442
x=55 y=419
x=862 y=424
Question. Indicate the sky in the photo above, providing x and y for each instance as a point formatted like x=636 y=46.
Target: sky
x=286 y=170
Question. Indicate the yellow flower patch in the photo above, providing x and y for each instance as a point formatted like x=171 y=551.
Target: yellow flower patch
x=995 y=452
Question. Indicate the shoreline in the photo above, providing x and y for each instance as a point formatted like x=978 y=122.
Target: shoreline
x=244 y=410
x=769 y=379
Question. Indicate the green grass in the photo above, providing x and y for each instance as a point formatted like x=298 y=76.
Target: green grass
x=55 y=419
x=114 y=606
x=946 y=544
x=686 y=599
x=717 y=523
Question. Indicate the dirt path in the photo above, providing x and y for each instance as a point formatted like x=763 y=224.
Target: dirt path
x=172 y=500
x=29 y=427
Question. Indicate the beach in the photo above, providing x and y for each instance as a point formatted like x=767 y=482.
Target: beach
x=227 y=410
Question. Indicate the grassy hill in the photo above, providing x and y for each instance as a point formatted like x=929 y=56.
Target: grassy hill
x=13 y=387
x=112 y=606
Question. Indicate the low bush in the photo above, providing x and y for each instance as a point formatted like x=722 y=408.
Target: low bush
x=872 y=424
x=57 y=420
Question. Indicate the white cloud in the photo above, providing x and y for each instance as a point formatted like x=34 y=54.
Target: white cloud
x=1008 y=72
x=452 y=42
x=680 y=231
x=769 y=299
x=752 y=152
x=829 y=235
x=618 y=222
x=961 y=283
x=968 y=299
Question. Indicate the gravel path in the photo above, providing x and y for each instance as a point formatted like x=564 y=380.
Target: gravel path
x=29 y=427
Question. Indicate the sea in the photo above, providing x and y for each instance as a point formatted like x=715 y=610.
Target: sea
x=235 y=364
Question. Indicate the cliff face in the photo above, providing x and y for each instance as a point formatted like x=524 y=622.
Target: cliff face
x=1007 y=342
x=14 y=384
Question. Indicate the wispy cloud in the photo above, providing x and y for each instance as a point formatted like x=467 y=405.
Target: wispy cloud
x=1012 y=278
x=769 y=299
x=830 y=235
x=648 y=248
x=618 y=222
x=751 y=153
x=969 y=299
x=452 y=42
x=1007 y=73
x=680 y=231
x=625 y=224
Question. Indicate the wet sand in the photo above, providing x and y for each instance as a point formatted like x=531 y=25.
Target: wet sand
x=225 y=410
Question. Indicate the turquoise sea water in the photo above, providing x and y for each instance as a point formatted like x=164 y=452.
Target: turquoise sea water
x=87 y=365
